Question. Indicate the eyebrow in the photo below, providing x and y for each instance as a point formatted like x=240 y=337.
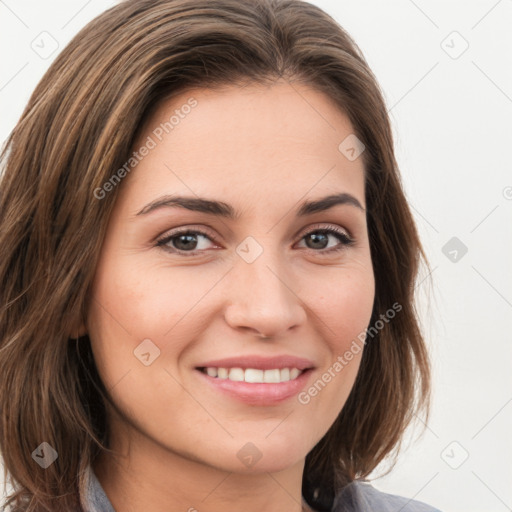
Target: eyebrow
x=225 y=210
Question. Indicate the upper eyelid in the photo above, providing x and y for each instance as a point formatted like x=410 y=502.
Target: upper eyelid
x=179 y=231
x=320 y=227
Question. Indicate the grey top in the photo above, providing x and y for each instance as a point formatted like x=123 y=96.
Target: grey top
x=363 y=497
x=355 y=497
x=92 y=495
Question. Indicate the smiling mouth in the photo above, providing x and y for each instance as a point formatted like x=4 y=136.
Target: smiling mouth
x=253 y=375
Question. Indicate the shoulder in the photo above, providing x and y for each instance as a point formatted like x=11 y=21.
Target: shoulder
x=362 y=496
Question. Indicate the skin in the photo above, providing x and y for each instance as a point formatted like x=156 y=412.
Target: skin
x=263 y=150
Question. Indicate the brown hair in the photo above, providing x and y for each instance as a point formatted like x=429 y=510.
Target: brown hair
x=79 y=127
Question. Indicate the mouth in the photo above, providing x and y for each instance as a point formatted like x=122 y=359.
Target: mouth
x=254 y=386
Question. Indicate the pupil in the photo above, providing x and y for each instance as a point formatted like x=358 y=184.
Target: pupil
x=315 y=238
x=189 y=238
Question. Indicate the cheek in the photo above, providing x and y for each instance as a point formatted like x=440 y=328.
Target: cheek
x=142 y=301
x=343 y=304
x=133 y=301
x=343 y=308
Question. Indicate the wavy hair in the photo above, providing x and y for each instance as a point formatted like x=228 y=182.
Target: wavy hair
x=78 y=127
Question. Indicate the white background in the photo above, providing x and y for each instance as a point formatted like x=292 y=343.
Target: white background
x=451 y=115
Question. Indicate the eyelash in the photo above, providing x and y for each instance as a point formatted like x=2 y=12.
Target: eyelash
x=342 y=236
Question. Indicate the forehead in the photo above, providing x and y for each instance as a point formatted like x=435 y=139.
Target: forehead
x=246 y=141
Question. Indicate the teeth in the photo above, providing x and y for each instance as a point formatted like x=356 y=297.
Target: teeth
x=253 y=375
x=212 y=372
x=273 y=376
x=294 y=373
x=236 y=374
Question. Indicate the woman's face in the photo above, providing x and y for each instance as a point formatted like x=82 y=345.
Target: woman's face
x=180 y=286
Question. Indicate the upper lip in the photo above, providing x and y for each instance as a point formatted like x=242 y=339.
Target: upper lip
x=260 y=362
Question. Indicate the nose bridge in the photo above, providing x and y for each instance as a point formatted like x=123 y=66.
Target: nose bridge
x=261 y=296
x=263 y=260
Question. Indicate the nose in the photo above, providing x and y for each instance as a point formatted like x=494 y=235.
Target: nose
x=261 y=299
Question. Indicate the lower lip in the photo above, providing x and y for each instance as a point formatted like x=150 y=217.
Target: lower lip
x=258 y=393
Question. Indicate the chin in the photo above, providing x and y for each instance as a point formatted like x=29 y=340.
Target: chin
x=242 y=456
x=267 y=457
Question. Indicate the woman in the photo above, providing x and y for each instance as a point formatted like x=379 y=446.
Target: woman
x=208 y=265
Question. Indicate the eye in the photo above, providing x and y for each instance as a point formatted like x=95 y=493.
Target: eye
x=185 y=241
x=318 y=239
